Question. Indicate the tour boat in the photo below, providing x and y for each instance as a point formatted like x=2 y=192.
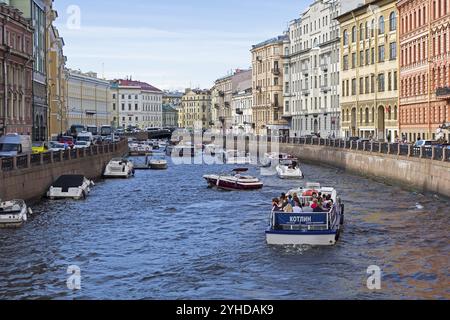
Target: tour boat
x=158 y=163
x=119 y=168
x=236 y=157
x=234 y=181
x=70 y=187
x=13 y=213
x=289 y=169
x=309 y=227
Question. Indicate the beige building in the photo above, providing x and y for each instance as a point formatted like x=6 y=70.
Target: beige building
x=369 y=71
x=88 y=98
x=221 y=113
x=267 y=86
x=195 y=109
x=56 y=77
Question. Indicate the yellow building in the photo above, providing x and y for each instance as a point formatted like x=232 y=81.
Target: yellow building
x=369 y=71
x=56 y=78
x=267 y=82
x=195 y=109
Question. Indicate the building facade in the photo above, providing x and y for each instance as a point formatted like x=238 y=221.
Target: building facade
x=173 y=98
x=56 y=77
x=242 y=101
x=312 y=65
x=369 y=71
x=221 y=113
x=87 y=99
x=424 y=67
x=35 y=11
x=196 y=109
x=169 y=116
x=16 y=72
x=135 y=104
x=267 y=87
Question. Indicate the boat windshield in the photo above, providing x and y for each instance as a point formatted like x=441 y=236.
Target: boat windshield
x=8 y=147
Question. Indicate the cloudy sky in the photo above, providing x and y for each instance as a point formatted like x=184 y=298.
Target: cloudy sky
x=171 y=44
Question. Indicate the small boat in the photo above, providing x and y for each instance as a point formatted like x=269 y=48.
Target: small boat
x=158 y=162
x=13 y=214
x=289 y=169
x=309 y=227
x=119 y=168
x=273 y=158
x=70 y=187
x=234 y=181
x=237 y=158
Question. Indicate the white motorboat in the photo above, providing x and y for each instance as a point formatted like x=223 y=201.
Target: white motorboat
x=158 y=162
x=273 y=158
x=289 y=169
x=13 y=213
x=233 y=181
x=70 y=187
x=237 y=157
x=313 y=226
x=119 y=168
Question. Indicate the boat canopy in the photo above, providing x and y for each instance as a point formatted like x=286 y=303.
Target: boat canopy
x=69 y=181
x=240 y=170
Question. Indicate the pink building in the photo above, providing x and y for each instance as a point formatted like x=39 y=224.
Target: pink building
x=424 y=67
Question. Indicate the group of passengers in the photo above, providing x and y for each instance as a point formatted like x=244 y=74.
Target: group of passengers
x=292 y=203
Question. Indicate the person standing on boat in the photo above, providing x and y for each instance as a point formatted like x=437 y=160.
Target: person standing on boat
x=297 y=208
x=276 y=205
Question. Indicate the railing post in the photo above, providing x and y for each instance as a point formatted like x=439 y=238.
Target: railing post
x=409 y=151
x=380 y=145
x=389 y=149
x=421 y=152
x=41 y=159
x=15 y=163
x=1 y=163
x=29 y=160
x=433 y=152
x=444 y=156
x=61 y=155
x=77 y=153
x=398 y=149
x=70 y=154
x=51 y=157
x=84 y=152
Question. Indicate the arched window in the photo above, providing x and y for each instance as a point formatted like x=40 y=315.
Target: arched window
x=392 y=22
x=395 y=113
x=345 y=36
x=367 y=30
x=367 y=115
x=361 y=33
x=353 y=34
x=372 y=28
x=381 y=25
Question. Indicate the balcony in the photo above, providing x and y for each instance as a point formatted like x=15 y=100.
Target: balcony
x=443 y=93
x=324 y=67
x=305 y=92
x=276 y=71
x=259 y=58
x=221 y=94
x=217 y=106
x=258 y=88
x=227 y=104
x=239 y=112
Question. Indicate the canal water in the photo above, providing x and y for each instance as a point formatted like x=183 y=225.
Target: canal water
x=165 y=235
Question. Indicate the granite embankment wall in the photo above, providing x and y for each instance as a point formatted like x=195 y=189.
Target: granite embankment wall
x=28 y=177
x=412 y=172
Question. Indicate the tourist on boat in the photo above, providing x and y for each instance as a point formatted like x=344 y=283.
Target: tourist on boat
x=276 y=205
x=297 y=208
x=288 y=208
x=291 y=200
x=283 y=201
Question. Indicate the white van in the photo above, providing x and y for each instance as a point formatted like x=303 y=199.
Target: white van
x=14 y=144
x=87 y=137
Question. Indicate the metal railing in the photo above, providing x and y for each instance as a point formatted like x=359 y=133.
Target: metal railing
x=27 y=161
x=436 y=153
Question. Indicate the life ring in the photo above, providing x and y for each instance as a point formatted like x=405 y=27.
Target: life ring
x=309 y=193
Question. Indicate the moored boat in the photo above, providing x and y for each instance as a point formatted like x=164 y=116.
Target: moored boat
x=158 y=162
x=70 y=187
x=13 y=213
x=234 y=181
x=309 y=227
x=119 y=168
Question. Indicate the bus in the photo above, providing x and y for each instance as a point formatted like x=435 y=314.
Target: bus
x=93 y=130
x=75 y=129
x=106 y=131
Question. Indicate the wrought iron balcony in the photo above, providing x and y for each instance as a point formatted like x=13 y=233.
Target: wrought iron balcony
x=259 y=58
x=276 y=71
x=305 y=92
x=239 y=111
x=325 y=88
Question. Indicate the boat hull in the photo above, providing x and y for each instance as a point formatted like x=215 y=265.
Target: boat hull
x=231 y=186
x=158 y=166
x=327 y=238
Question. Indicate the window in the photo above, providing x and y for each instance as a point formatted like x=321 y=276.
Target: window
x=114 y=107
x=353 y=60
x=367 y=85
x=353 y=87
x=381 y=25
x=373 y=55
x=372 y=83
x=395 y=80
x=345 y=37
x=381 y=84
x=361 y=33
x=389 y=81
x=381 y=56
x=136 y=107
x=353 y=34
x=114 y=96
x=123 y=106
x=367 y=57
x=393 y=51
x=345 y=62
x=361 y=58
x=361 y=85
x=392 y=21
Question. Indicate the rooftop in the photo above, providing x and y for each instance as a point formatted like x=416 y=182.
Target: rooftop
x=271 y=41
x=135 y=84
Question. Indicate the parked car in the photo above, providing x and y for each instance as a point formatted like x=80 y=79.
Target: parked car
x=425 y=143
x=67 y=140
x=39 y=147
x=56 y=146
x=14 y=144
x=82 y=144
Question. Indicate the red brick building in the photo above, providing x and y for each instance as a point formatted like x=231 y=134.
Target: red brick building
x=16 y=69
x=424 y=67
